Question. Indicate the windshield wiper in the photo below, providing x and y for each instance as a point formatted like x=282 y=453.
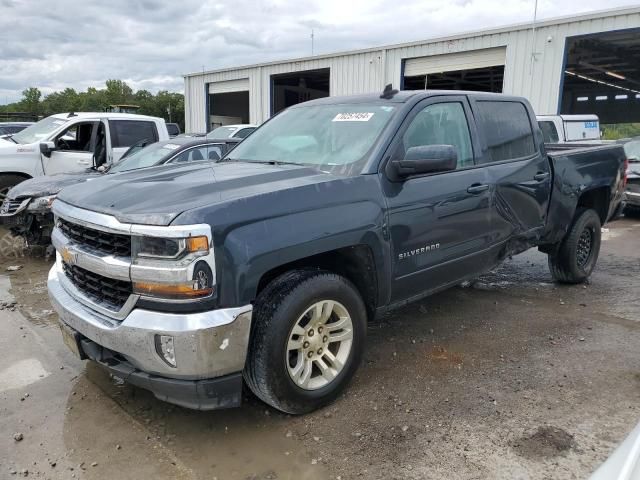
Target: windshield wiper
x=263 y=162
x=10 y=137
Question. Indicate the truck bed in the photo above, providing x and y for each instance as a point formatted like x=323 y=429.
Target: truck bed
x=579 y=169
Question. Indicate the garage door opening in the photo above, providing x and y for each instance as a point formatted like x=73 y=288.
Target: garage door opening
x=291 y=88
x=487 y=79
x=228 y=108
x=476 y=70
x=602 y=76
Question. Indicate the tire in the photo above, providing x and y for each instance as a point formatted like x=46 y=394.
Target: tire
x=271 y=360
x=632 y=211
x=570 y=263
x=7 y=182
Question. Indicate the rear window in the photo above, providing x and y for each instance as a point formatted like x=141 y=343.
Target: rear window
x=125 y=133
x=549 y=131
x=173 y=129
x=507 y=130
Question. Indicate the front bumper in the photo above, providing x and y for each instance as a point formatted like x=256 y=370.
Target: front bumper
x=208 y=345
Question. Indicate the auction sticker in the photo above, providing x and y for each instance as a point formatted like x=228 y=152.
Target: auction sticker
x=353 y=117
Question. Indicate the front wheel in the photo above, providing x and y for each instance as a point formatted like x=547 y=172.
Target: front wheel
x=307 y=340
x=577 y=255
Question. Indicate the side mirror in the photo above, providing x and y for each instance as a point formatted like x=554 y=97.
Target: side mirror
x=46 y=148
x=424 y=159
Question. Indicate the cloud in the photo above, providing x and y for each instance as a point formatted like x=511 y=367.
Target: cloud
x=151 y=43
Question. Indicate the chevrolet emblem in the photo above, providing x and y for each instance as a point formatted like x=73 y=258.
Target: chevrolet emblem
x=68 y=256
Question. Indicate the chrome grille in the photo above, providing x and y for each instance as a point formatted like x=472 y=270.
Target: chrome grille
x=97 y=240
x=10 y=206
x=106 y=292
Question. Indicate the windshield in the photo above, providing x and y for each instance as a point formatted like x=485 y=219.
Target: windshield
x=329 y=137
x=146 y=157
x=222 y=132
x=39 y=131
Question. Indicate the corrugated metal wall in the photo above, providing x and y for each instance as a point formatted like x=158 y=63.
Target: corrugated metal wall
x=369 y=71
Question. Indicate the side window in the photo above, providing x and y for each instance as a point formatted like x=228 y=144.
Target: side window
x=199 y=153
x=507 y=130
x=76 y=138
x=549 y=131
x=441 y=124
x=125 y=133
x=244 y=133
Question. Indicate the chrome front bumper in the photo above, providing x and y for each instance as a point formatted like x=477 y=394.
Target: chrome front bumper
x=207 y=344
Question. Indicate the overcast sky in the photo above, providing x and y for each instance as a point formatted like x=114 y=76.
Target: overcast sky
x=53 y=44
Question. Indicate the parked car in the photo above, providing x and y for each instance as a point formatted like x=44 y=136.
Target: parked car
x=9 y=128
x=569 y=128
x=232 y=131
x=27 y=206
x=173 y=129
x=72 y=142
x=267 y=265
x=632 y=193
x=624 y=462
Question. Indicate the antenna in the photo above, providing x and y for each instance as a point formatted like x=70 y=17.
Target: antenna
x=312 y=38
x=533 y=37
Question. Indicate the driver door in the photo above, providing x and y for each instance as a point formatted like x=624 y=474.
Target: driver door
x=74 y=148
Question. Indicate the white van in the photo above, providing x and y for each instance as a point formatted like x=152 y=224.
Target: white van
x=569 y=128
x=72 y=142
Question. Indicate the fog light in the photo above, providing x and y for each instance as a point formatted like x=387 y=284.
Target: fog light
x=164 y=348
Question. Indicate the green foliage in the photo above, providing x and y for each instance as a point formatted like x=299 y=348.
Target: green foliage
x=620 y=130
x=117 y=92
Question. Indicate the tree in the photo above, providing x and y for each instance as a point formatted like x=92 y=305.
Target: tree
x=31 y=99
x=118 y=92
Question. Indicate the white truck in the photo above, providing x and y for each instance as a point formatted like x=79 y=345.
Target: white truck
x=72 y=142
x=569 y=128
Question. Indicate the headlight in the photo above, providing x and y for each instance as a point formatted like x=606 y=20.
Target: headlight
x=173 y=268
x=42 y=203
x=169 y=248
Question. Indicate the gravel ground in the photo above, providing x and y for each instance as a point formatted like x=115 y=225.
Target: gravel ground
x=512 y=377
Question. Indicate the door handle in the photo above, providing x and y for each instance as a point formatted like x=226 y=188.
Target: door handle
x=83 y=162
x=477 y=188
x=540 y=176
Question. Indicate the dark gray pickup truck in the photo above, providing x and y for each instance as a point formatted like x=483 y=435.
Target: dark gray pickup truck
x=264 y=268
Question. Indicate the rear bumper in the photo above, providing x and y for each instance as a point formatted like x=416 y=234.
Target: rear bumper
x=632 y=198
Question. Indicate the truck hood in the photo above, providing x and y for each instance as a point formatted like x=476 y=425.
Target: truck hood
x=157 y=196
x=49 y=185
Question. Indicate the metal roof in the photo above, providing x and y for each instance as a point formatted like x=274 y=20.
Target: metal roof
x=469 y=34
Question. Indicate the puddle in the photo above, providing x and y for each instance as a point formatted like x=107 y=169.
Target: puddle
x=250 y=442
x=22 y=373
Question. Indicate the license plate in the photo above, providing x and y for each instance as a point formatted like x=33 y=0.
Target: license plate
x=71 y=339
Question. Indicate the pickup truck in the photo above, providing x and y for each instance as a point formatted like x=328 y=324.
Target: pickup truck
x=26 y=209
x=72 y=142
x=265 y=267
x=569 y=128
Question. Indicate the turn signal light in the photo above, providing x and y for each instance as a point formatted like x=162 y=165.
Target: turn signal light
x=197 y=244
x=172 y=291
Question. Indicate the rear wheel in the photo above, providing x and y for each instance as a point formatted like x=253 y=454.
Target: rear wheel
x=577 y=255
x=307 y=342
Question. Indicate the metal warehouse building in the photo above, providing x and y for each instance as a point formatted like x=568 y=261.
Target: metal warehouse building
x=583 y=64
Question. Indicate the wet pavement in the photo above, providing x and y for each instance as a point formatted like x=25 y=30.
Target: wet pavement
x=510 y=377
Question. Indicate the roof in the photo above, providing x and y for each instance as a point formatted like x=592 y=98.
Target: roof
x=126 y=116
x=401 y=96
x=469 y=34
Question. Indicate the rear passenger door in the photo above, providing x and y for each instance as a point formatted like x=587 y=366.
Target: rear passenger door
x=125 y=133
x=439 y=223
x=512 y=151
